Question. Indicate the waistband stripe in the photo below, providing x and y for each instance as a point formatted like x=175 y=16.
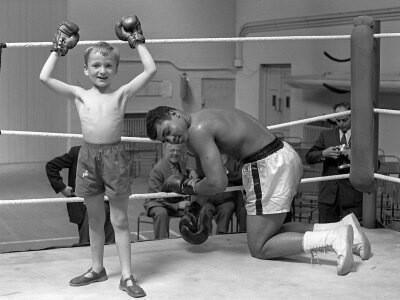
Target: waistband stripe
x=269 y=149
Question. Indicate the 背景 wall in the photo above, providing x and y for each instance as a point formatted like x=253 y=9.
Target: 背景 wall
x=28 y=105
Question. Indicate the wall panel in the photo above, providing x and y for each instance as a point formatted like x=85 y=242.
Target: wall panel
x=25 y=104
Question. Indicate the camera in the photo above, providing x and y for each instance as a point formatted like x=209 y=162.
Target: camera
x=343 y=162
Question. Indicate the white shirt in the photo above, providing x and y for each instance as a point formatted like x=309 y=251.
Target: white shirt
x=348 y=135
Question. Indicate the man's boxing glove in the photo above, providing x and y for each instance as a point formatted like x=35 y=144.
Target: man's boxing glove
x=191 y=236
x=180 y=184
x=189 y=225
x=129 y=29
x=66 y=38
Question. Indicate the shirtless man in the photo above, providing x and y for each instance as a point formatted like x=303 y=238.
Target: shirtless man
x=271 y=173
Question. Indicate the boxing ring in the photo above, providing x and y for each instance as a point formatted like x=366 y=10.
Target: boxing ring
x=222 y=267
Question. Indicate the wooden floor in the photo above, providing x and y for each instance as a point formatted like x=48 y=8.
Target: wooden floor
x=221 y=268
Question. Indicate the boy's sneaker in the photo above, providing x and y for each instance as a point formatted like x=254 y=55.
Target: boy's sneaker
x=133 y=290
x=89 y=277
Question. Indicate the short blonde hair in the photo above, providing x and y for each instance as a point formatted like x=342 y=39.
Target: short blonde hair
x=104 y=49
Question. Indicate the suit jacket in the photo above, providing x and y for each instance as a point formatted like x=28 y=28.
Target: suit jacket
x=158 y=175
x=330 y=190
x=69 y=160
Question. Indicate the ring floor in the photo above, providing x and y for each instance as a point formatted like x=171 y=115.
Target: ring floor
x=221 y=268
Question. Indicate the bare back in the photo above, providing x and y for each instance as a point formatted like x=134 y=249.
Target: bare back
x=101 y=115
x=213 y=132
x=234 y=132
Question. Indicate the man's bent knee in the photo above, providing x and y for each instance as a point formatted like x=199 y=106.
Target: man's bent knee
x=158 y=212
x=256 y=251
x=261 y=251
x=260 y=229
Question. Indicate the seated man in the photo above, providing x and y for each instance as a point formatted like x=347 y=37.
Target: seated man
x=234 y=174
x=160 y=209
x=223 y=205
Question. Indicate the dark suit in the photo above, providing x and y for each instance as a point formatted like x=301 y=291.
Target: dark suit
x=336 y=198
x=76 y=210
x=160 y=209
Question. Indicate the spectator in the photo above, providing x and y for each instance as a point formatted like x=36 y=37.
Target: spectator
x=76 y=210
x=222 y=205
x=234 y=173
x=161 y=209
x=337 y=198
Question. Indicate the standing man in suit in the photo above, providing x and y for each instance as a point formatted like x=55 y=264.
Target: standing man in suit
x=76 y=210
x=337 y=198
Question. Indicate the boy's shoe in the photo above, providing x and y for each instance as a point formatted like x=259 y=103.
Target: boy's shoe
x=133 y=290
x=89 y=277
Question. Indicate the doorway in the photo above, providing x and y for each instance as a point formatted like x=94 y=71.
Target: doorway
x=275 y=100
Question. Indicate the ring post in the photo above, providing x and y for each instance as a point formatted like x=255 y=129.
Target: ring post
x=364 y=92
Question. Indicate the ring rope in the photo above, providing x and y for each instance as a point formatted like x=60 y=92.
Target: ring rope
x=154 y=195
x=167 y=195
x=80 y=199
x=387 y=111
x=70 y=135
x=386 y=177
x=147 y=140
x=191 y=40
x=309 y=120
x=324 y=178
x=210 y=40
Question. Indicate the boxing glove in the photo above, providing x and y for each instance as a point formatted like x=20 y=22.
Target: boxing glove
x=193 y=226
x=192 y=236
x=180 y=184
x=66 y=38
x=129 y=29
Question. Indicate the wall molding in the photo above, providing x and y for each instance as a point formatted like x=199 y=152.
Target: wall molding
x=324 y=20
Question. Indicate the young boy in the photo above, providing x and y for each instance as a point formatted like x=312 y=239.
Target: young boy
x=102 y=165
x=271 y=173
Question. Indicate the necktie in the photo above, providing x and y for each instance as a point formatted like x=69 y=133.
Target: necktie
x=343 y=140
x=178 y=168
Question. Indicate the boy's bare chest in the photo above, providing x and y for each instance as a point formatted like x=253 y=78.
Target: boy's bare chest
x=100 y=105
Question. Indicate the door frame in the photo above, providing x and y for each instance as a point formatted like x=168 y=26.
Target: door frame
x=263 y=85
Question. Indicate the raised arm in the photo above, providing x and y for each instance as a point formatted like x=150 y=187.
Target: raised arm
x=54 y=84
x=66 y=38
x=129 y=29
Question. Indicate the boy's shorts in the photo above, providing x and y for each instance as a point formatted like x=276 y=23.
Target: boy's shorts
x=103 y=168
x=271 y=178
